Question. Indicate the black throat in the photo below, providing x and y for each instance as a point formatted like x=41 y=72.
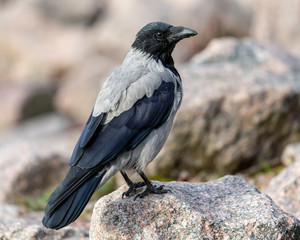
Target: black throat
x=165 y=58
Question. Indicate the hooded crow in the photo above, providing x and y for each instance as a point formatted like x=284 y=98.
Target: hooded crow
x=128 y=126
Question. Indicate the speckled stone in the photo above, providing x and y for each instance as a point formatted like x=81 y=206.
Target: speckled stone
x=227 y=208
x=27 y=229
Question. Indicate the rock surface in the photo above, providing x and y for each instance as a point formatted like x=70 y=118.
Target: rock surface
x=240 y=106
x=34 y=156
x=228 y=208
x=284 y=188
x=33 y=230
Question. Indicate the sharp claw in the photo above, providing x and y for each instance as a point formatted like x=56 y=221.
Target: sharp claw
x=154 y=190
x=132 y=188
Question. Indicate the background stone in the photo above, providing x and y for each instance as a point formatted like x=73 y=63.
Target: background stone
x=240 y=108
x=24 y=101
x=34 y=157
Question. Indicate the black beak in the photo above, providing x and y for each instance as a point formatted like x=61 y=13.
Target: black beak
x=179 y=33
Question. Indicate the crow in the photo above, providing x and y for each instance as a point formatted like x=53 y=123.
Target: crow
x=128 y=126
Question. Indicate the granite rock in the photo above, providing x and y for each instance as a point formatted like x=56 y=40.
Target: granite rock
x=228 y=208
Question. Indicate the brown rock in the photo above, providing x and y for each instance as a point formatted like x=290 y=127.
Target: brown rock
x=240 y=105
x=284 y=188
x=228 y=208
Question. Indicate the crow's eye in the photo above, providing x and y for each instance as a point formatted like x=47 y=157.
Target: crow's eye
x=159 y=34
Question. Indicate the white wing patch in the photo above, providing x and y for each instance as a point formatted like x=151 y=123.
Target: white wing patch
x=141 y=75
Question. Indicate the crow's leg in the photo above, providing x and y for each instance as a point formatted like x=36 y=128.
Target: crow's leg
x=132 y=186
x=150 y=187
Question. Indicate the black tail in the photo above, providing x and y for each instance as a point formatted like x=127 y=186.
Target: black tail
x=69 y=199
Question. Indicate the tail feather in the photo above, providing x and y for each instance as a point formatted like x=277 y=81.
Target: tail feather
x=69 y=199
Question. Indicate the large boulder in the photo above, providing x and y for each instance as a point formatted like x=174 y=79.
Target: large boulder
x=228 y=208
x=240 y=106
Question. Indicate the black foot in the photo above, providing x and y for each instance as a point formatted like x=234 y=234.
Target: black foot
x=151 y=189
x=132 y=188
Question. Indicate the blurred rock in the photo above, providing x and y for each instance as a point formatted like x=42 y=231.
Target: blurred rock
x=290 y=154
x=284 y=189
x=278 y=22
x=35 y=49
x=228 y=208
x=79 y=89
x=31 y=229
x=210 y=18
x=70 y=11
x=241 y=104
x=34 y=157
x=24 y=101
x=8 y=211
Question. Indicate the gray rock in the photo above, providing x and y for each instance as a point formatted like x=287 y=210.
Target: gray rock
x=25 y=101
x=228 y=208
x=27 y=229
x=284 y=188
x=34 y=156
x=240 y=106
x=70 y=11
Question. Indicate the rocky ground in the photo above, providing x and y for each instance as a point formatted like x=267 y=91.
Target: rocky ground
x=240 y=112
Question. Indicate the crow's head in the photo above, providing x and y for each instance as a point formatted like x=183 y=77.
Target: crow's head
x=159 y=39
